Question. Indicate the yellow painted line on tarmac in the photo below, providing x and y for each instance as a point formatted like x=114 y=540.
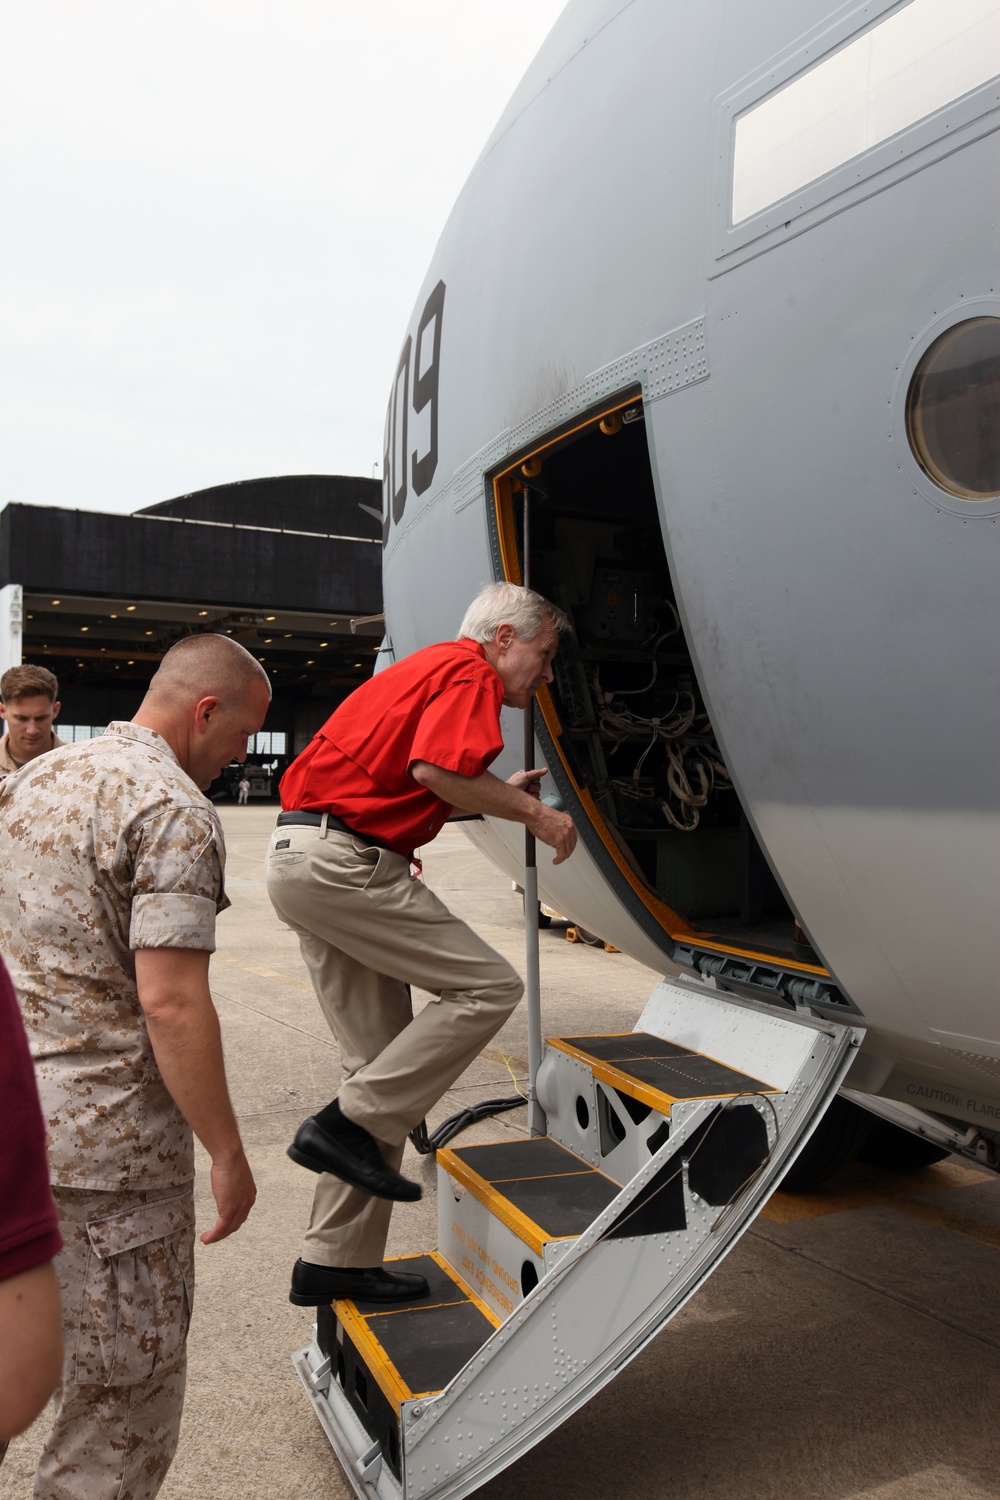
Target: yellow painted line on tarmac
x=262 y=972
x=957 y=1223
x=871 y=1188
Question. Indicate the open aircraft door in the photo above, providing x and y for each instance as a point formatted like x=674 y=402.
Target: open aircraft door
x=561 y=1256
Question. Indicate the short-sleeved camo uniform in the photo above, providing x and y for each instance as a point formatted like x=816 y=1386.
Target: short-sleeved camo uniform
x=105 y=847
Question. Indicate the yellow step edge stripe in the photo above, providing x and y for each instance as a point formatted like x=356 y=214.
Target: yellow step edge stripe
x=532 y=1234
x=646 y=1093
x=388 y=1379
x=377 y=1362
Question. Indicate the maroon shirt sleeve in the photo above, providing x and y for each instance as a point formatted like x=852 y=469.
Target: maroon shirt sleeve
x=29 y=1224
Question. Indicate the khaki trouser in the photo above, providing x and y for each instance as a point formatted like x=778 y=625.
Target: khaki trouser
x=126 y=1280
x=367 y=930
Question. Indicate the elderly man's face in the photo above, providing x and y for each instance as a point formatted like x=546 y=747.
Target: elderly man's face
x=525 y=663
x=29 y=724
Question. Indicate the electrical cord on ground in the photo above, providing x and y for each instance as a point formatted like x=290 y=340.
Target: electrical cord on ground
x=589 y=938
x=426 y=1143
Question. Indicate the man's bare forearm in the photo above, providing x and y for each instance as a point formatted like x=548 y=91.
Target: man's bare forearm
x=479 y=794
x=499 y=799
x=187 y=1044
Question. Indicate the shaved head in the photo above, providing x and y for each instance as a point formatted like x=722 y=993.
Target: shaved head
x=206 y=665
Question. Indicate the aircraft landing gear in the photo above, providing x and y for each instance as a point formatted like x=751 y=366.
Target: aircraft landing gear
x=849 y=1133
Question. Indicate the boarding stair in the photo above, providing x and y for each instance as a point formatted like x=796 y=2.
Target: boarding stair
x=561 y=1255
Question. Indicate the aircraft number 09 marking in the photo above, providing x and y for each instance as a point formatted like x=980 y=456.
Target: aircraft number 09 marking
x=400 y=467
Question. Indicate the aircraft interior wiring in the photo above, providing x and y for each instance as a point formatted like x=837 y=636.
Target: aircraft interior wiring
x=634 y=728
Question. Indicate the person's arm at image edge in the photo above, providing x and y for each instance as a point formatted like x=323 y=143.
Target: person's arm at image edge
x=31 y=1346
x=186 y=1039
x=31 y=1342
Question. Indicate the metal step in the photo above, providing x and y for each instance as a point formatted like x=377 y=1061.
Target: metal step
x=609 y=1098
x=379 y=1355
x=561 y=1257
x=507 y=1212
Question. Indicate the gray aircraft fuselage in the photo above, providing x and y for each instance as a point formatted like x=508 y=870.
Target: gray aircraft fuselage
x=641 y=242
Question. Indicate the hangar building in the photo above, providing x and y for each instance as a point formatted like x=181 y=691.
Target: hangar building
x=289 y=567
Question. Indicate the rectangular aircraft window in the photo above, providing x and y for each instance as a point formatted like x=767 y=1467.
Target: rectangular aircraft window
x=902 y=70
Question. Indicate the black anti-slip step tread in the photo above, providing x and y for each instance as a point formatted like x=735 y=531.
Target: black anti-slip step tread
x=562 y=1206
x=676 y=1072
x=415 y=1347
x=507 y=1161
x=691 y=1077
x=428 y=1346
x=536 y=1187
x=627 y=1045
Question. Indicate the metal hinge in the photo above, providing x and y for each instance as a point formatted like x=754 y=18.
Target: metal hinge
x=369 y=1465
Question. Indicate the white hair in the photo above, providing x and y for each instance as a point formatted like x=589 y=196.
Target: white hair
x=509 y=604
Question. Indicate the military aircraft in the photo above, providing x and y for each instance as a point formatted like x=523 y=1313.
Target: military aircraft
x=709 y=352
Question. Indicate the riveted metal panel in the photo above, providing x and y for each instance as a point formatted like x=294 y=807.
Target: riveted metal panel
x=664 y=365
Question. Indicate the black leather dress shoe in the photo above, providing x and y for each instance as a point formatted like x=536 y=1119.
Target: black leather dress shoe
x=352 y=1155
x=315 y=1286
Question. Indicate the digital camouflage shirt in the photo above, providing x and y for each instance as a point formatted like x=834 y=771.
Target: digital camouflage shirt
x=105 y=846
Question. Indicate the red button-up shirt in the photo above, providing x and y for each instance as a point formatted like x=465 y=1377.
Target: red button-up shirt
x=440 y=705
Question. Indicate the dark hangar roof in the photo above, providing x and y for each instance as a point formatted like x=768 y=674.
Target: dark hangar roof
x=290 y=567
x=300 y=542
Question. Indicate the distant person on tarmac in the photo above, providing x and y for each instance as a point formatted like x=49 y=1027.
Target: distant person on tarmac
x=29 y=702
x=110 y=882
x=244 y=791
x=378 y=781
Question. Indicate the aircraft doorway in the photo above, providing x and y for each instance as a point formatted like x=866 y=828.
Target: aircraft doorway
x=625 y=714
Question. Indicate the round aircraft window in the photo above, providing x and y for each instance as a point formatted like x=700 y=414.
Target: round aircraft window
x=953 y=410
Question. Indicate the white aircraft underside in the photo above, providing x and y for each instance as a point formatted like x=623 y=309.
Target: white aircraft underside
x=747 y=237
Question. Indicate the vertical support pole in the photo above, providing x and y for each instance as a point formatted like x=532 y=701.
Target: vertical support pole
x=11 y=625
x=533 y=991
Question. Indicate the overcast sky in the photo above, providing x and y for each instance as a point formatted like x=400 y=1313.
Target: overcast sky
x=216 y=217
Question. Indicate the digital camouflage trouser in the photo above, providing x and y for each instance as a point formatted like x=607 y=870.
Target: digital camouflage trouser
x=126 y=1279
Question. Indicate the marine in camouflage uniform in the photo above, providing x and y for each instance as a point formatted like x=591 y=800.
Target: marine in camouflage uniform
x=29 y=703
x=108 y=849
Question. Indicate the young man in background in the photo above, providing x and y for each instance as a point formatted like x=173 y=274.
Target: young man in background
x=29 y=704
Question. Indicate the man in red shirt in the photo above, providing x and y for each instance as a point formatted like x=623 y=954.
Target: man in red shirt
x=379 y=780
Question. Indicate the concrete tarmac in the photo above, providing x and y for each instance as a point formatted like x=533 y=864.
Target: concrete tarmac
x=848 y=1347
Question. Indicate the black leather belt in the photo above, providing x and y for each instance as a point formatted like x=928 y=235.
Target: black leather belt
x=315 y=820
